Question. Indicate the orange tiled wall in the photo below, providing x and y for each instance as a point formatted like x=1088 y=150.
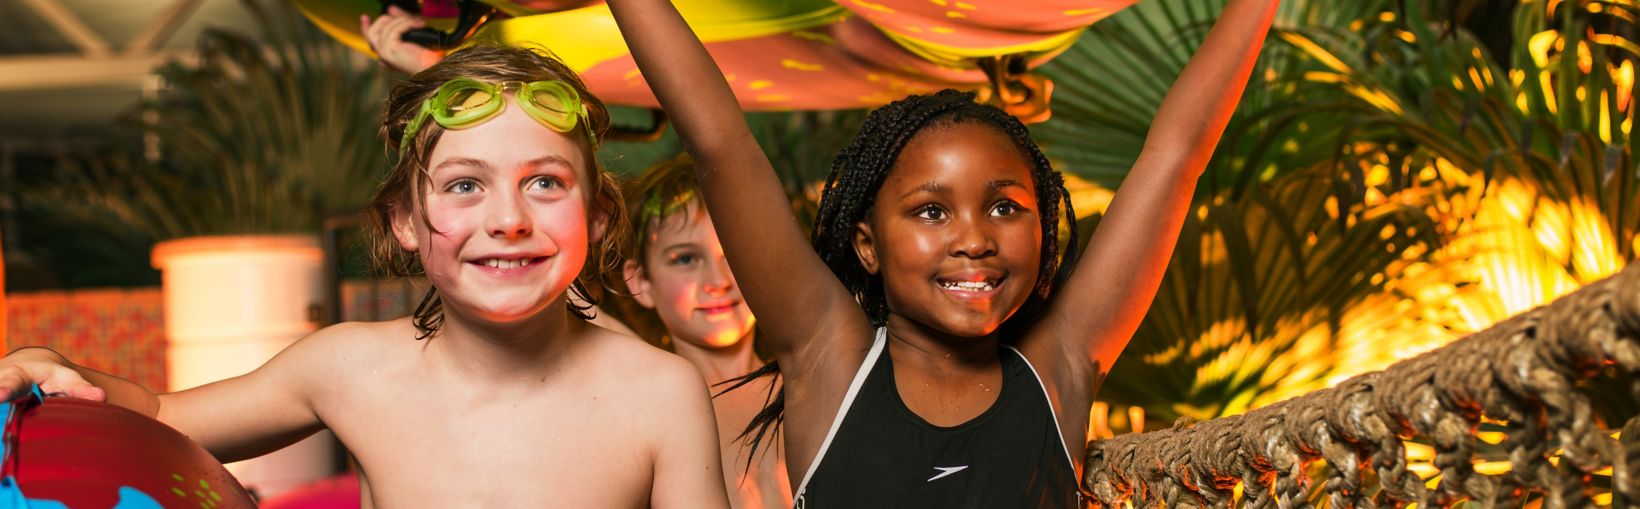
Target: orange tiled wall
x=117 y=331
x=121 y=331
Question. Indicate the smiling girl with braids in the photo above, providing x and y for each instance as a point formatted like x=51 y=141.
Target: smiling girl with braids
x=942 y=347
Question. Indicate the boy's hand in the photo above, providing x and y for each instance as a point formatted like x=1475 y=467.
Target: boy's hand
x=55 y=375
x=385 y=36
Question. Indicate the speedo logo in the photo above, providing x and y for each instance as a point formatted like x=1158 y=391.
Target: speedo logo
x=946 y=471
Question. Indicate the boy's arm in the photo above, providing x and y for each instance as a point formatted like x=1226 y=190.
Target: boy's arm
x=794 y=296
x=1095 y=314
x=233 y=419
x=56 y=375
x=688 y=469
x=261 y=411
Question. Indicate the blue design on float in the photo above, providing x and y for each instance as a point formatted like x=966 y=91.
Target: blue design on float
x=132 y=498
x=11 y=496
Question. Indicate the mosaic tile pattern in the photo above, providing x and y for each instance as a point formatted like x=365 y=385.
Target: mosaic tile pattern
x=117 y=331
x=121 y=331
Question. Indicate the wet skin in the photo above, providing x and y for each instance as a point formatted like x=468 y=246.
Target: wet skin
x=507 y=191
x=954 y=234
x=686 y=280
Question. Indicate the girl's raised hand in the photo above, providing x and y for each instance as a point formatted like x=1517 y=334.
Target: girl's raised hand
x=386 y=37
x=26 y=367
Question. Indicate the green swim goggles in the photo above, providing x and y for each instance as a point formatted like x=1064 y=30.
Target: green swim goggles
x=463 y=102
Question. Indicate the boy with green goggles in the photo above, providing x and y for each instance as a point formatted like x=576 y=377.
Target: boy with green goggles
x=463 y=102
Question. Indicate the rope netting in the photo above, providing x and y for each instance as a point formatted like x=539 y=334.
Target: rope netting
x=1523 y=376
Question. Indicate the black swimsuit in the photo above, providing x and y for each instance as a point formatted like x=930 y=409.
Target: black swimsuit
x=879 y=453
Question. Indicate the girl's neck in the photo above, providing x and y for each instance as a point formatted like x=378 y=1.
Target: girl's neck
x=911 y=341
x=504 y=351
x=719 y=364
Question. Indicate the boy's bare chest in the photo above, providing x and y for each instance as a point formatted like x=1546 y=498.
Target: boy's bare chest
x=543 y=450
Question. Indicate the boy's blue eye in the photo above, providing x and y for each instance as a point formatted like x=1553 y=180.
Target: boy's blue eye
x=546 y=183
x=684 y=259
x=462 y=186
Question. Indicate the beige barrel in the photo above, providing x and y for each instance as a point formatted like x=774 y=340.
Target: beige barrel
x=231 y=303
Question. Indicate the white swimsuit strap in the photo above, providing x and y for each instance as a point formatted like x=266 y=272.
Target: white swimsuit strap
x=848 y=401
x=1051 y=412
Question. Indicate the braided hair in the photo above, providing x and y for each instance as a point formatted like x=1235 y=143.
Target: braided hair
x=859 y=172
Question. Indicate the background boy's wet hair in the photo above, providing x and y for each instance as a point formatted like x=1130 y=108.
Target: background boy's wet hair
x=655 y=200
x=408 y=176
x=851 y=190
x=668 y=188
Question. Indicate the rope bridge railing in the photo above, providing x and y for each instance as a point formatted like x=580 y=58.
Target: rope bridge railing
x=1522 y=374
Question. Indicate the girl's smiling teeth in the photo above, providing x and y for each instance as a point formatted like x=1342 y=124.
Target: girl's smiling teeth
x=970 y=285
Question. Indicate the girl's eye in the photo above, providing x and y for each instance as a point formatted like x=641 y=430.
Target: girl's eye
x=463 y=186
x=1006 y=208
x=684 y=259
x=930 y=212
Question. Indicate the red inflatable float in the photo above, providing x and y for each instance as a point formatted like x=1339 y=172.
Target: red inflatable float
x=79 y=454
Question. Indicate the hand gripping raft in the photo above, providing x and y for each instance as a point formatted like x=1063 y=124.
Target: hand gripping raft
x=63 y=453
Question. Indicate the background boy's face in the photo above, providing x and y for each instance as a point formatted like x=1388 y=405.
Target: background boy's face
x=686 y=280
x=508 y=204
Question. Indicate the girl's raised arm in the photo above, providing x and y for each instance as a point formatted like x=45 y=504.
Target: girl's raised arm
x=792 y=293
x=1097 y=311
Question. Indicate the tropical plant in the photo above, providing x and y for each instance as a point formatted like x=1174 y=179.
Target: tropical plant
x=264 y=135
x=1110 y=83
x=1283 y=241
x=1543 y=132
x=1393 y=108
x=1516 y=171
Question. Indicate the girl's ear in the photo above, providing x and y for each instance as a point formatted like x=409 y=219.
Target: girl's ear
x=865 y=247
x=638 y=282
x=404 y=229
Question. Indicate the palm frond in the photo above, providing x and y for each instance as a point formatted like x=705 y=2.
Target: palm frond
x=259 y=135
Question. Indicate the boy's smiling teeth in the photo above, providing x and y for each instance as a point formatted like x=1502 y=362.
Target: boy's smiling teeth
x=498 y=263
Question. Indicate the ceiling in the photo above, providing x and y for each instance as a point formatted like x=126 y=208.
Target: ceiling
x=70 y=67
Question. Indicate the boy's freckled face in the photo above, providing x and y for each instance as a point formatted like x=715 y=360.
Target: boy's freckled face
x=955 y=232
x=687 y=282
x=508 y=203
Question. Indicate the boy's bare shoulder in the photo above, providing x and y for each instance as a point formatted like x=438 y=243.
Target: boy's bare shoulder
x=632 y=361
x=350 y=343
x=632 y=352
x=361 y=334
